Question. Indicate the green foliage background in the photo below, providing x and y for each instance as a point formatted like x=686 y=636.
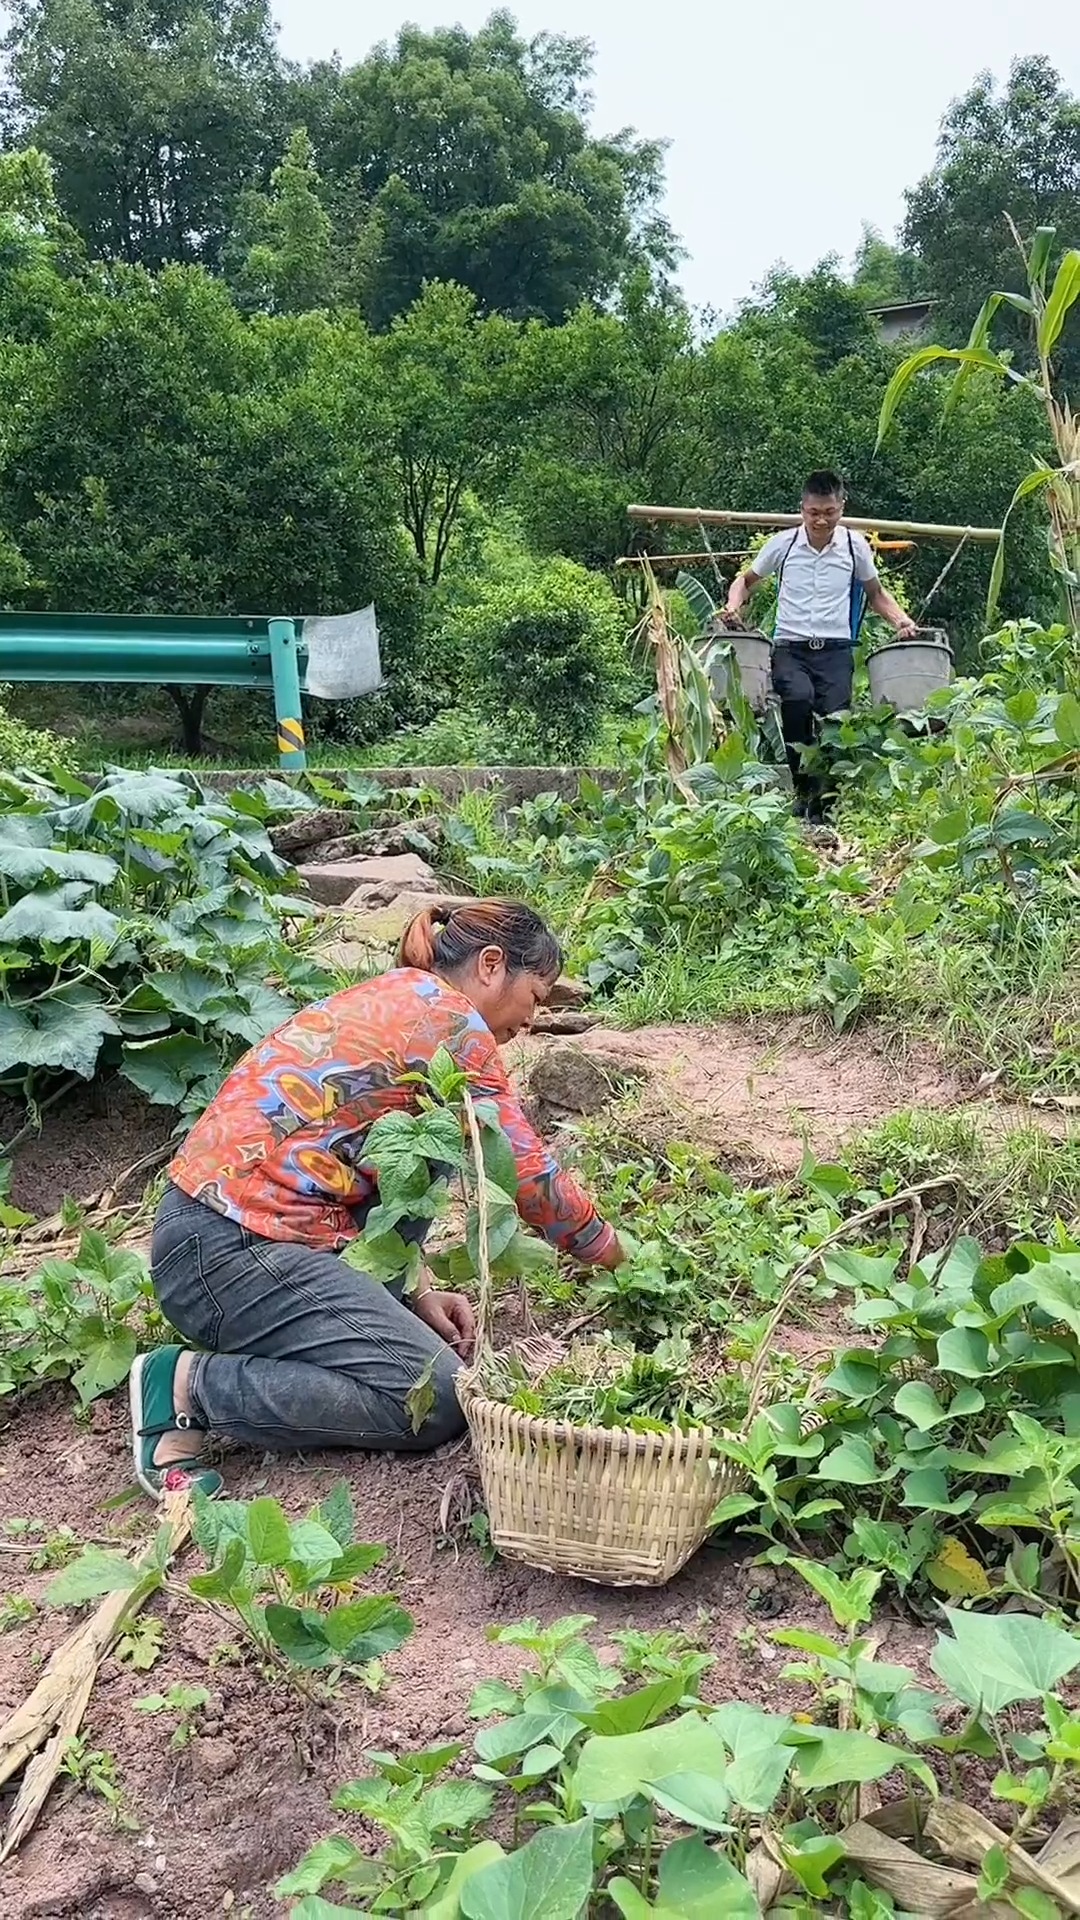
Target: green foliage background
x=290 y=338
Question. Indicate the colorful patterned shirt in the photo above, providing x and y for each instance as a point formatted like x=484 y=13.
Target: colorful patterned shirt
x=281 y=1147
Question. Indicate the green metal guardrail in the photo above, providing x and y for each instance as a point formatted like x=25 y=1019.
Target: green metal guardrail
x=173 y=650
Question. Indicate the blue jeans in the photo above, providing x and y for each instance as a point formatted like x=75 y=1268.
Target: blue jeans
x=302 y=1350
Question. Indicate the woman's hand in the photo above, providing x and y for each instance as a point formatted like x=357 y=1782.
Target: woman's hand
x=450 y=1315
x=622 y=1249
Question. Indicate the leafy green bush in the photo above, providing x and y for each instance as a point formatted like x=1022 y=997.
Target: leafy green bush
x=957 y=1408
x=547 y=657
x=78 y=1318
x=662 y=892
x=141 y=926
x=281 y=1582
x=460 y=737
x=28 y=749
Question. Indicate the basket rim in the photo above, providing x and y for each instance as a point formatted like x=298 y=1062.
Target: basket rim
x=624 y=1440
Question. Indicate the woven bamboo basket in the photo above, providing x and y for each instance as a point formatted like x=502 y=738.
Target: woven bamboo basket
x=605 y=1504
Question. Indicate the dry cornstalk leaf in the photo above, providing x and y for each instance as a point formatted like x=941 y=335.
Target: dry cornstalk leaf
x=30 y=1725
x=933 y=1892
x=1061 y=1854
x=50 y=1717
x=44 y=1767
x=669 y=683
x=900 y=1819
x=964 y=1834
x=458 y=1503
x=766 y=1875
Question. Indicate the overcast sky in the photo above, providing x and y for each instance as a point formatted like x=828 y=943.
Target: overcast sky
x=812 y=117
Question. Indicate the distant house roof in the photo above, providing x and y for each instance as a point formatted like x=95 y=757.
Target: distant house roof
x=894 y=308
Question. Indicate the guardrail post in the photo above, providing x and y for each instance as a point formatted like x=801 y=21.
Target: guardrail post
x=292 y=757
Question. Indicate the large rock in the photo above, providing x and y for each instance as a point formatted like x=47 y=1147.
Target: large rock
x=569 y=1080
x=313 y=834
x=402 y=836
x=370 y=882
x=304 y=830
x=380 y=926
x=348 y=957
x=568 y=993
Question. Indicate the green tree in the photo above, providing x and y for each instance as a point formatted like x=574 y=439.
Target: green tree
x=820 y=309
x=36 y=254
x=172 y=457
x=285 y=237
x=451 y=156
x=1015 y=151
x=617 y=417
x=883 y=274
x=155 y=113
x=458 y=408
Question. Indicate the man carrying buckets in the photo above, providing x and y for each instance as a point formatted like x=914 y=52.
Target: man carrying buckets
x=825 y=581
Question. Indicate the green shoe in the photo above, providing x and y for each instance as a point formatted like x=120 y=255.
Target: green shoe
x=153 y=1413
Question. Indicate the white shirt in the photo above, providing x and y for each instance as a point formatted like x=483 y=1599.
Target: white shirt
x=815 y=588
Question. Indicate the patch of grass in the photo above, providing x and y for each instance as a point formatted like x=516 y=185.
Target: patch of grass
x=999 y=990
x=679 y=985
x=17 y=1610
x=1024 y=1181
x=1038 y=1180
x=917 y=1144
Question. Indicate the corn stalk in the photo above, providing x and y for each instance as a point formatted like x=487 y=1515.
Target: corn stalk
x=1047 y=311
x=36 y=1734
x=691 y=721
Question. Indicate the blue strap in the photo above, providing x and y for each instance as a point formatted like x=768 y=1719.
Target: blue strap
x=857 y=605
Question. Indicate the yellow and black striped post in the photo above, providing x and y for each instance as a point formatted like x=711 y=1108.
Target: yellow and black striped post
x=292 y=756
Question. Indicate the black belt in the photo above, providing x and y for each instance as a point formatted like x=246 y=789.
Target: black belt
x=815 y=646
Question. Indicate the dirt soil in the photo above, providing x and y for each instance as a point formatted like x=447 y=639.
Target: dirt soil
x=217 y=1824
x=88 y=1142
x=756 y=1092
x=214 y=1826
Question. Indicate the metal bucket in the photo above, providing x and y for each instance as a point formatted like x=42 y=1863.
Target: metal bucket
x=752 y=654
x=904 y=673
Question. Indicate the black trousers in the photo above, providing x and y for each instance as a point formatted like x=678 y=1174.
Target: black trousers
x=811 y=682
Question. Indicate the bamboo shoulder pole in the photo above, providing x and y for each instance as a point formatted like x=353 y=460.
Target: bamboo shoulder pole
x=682 y=559
x=720 y=517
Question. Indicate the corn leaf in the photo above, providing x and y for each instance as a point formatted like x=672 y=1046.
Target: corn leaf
x=1039 y=257
x=1031 y=483
x=1064 y=293
x=926 y=356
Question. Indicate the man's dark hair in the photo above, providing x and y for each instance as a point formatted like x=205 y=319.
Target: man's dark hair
x=824 y=484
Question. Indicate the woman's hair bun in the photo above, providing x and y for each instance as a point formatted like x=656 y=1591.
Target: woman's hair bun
x=448 y=934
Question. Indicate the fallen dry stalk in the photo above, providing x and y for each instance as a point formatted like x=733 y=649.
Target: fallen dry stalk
x=964 y=1834
x=37 y=1734
x=879 y=1845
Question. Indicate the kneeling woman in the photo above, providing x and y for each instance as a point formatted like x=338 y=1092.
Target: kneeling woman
x=299 y=1349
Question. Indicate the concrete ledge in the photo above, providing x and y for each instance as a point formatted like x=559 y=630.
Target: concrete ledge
x=512 y=784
